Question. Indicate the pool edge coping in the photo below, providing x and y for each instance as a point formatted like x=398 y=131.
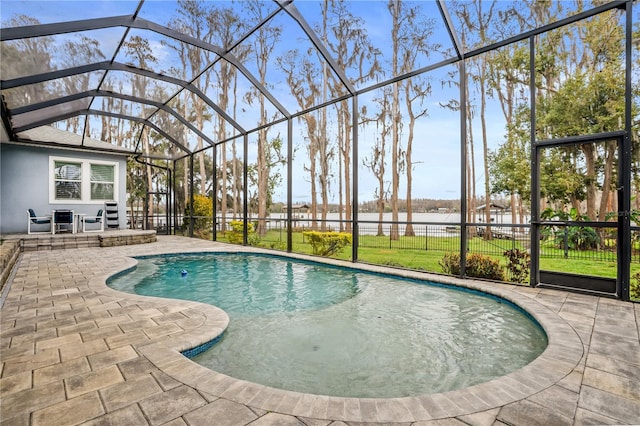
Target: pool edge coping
x=563 y=353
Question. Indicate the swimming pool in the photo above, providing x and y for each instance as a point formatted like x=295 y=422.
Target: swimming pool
x=312 y=328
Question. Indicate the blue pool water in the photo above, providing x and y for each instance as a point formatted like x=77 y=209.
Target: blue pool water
x=313 y=328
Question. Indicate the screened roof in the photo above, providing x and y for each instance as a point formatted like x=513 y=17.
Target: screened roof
x=188 y=74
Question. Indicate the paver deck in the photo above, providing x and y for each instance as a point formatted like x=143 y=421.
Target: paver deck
x=74 y=351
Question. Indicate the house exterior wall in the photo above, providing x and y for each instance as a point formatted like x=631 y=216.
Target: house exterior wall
x=24 y=184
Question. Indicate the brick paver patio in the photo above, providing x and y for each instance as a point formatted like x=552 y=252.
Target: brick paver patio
x=74 y=351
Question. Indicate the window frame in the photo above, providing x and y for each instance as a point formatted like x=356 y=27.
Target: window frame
x=85 y=180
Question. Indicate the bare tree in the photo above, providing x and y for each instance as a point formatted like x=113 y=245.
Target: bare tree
x=226 y=25
x=266 y=38
x=414 y=91
x=410 y=34
x=377 y=161
x=140 y=51
x=476 y=21
x=351 y=49
x=302 y=77
x=193 y=20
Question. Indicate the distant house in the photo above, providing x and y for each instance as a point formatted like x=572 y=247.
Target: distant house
x=496 y=211
x=297 y=210
x=47 y=169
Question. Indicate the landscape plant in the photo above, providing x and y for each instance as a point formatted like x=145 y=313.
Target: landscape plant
x=327 y=243
x=518 y=264
x=634 y=287
x=477 y=265
x=573 y=237
x=237 y=231
x=202 y=216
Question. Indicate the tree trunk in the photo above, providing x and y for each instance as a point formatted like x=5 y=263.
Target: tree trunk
x=485 y=154
x=395 y=121
x=346 y=157
x=589 y=151
x=610 y=152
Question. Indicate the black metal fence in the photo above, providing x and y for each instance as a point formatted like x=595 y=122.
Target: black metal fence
x=559 y=241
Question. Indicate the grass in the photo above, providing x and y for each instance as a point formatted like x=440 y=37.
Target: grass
x=425 y=253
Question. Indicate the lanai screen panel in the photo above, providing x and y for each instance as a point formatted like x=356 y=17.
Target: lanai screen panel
x=200 y=114
x=155 y=145
x=214 y=13
x=478 y=24
x=362 y=36
x=580 y=75
x=285 y=61
x=30 y=94
x=236 y=96
x=50 y=113
x=37 y=55
x=164 y=55
x=128 y=83
x=48 y=12
x=230 y=182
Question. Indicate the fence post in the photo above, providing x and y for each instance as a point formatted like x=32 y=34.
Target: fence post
x=566 y=242
x=390 y=228
x=426 y=237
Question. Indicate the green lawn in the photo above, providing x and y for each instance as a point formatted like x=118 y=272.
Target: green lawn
x=422 y=253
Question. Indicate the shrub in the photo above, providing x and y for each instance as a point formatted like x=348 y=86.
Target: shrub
x=477 y=265
x=578 y=238
x=278 y=245
x=235 y=236
x=518 y=264
x=203 y=220
x=481 y=266
x=634 y=287
x=450 y=264
x=327 y=243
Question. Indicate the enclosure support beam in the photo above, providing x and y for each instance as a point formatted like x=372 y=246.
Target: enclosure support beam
x=463 y=167
x=453 y=35
x=289 y=183
x=169 y=198
x=624 y=201
x=534 y=271
x=175 y=206
x=214 y=198
x=245 y=190
x=191 y=196
x=354 y=179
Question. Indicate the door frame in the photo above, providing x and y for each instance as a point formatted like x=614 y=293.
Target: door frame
x=586 y=283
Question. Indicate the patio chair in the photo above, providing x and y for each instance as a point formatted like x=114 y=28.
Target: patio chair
x=93 y=219
x=63 y=217
x=34 y=219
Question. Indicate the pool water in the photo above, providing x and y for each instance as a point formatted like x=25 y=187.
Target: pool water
x=319 y=329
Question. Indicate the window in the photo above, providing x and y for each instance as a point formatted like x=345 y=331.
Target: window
x=68 y=180
x=80 y=181
x=102 y=181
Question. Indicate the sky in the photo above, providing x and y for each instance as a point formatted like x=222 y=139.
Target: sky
x=436 y=145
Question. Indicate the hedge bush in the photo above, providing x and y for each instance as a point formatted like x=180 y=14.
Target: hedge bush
x=327 y=243
x=477 y=265
x=237 y=231
x=203 y=212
